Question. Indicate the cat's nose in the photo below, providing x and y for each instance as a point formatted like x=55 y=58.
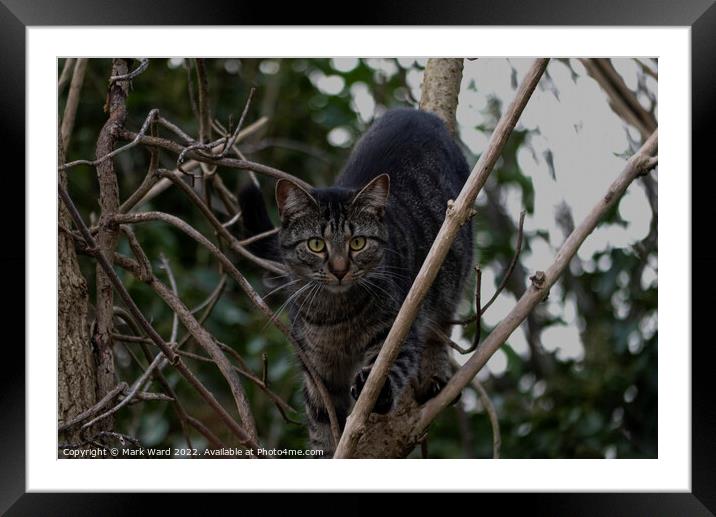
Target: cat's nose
x=339 y=267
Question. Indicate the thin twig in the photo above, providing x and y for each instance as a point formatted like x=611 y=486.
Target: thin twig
x=230 y=142
x=173 y=284
x=119 y=388
x=204 y=114
x=159 y=376
x=479 y=311
x=234 y=243
x=207 y=342
x=213 y=296
x=149 y=181
x=133 y=143
x=138 y=252
x=259 y=236
x=133 y=390
x=232 y=221
x=143 y=64
x=489 y=409
x=243 y=370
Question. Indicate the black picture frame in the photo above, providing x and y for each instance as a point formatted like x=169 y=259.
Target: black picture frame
x=700 y=15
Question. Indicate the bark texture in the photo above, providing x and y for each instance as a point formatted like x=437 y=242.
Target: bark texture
x=107 y=236
x=440 y=89
x=77 y=379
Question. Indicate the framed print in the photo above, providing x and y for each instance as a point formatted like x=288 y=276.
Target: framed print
x=401 y=249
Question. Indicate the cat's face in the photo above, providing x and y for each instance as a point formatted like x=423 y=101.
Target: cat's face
x=332 y=236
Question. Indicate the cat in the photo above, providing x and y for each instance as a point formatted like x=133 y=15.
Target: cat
x=352 y=252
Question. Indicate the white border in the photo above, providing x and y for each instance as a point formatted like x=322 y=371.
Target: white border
x=670 y=472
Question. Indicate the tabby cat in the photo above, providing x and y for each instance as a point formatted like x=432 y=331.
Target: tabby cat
x=353 y=250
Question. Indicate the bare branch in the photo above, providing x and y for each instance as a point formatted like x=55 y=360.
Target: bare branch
x=65 y=74
x=492 y=415
x=107 y=234
x=112 y=153
x=621 y=98
x=250 y=130
x=479 y=311
x=172 y=356
x=259 y=236
x=149 y=181
x=489 y=409
x=144 y=264
x=234 y=243
x=244 y=371
x=204 y=113
x=207 y=342
x=230 y=142
x=541 y=283
x=111 y=394
x=213 y=297
x=233 y=163
x=457 y=214
x=73 y=100
x=173 y=284
x=250 y=292
x=171 y=298
x=143 y=64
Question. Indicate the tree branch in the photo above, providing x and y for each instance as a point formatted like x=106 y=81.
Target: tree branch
x=107 y=235
x=67 y=69
x=621 y=98
x=172 y=356
x=73 y=100
x=234 y=243
x=247 y=288
x=458 y=213
x=541 y=282
x=233 y=163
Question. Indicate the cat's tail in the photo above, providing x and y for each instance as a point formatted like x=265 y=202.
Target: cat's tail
x=256 y=221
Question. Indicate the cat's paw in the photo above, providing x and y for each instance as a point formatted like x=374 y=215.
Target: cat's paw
x=435 y=386
x=385 y=399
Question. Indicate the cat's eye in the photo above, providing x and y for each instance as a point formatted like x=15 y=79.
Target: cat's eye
x=357 y=243
x=316 y=245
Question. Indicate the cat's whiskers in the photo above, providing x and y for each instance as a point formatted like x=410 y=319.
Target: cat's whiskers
x=369 y=286
x=388 y=294
x=309 y=332
x=290 y=298
x=282 y=286
x=308 y=296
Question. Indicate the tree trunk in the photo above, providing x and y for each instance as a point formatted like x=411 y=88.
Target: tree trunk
x=76 y=375
x=440 y=89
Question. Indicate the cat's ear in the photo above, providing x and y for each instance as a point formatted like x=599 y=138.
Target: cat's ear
x=292 y=200
x=374 y=196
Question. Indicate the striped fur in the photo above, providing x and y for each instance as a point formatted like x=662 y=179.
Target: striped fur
x=342 y=321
